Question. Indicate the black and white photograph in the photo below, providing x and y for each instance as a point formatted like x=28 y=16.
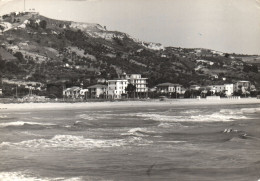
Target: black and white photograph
x=129 y=90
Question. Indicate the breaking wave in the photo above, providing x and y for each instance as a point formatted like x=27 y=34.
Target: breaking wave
x=25 y=176
x=75 y=142
x=250 y=110
x=3 y=116
x=215 y=117
x=169 y=125
x=22 y=123
x=142 y=132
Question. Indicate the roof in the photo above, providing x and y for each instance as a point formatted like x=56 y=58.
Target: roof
x=97 y=86
x=167 y=84
x=72 y=88
x=118 y=80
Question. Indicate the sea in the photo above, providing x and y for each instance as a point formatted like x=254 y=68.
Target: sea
x=183 y=143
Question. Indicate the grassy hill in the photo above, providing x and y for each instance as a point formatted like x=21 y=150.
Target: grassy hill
x=36 y=48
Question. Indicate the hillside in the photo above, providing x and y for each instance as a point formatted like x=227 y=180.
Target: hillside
x=36 y=48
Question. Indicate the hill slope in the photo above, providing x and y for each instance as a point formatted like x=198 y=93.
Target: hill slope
x=53 y=51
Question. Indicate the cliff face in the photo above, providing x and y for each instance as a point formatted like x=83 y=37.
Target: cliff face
x=36 y=48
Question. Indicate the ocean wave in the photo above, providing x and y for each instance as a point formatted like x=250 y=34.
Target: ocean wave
x=86 y=117
x=74 y=142
x=215 y=117
x=231 y=111
x=92 y=116
x=142 y=132
x=26 y=176
x=250 y=110
x=22 y=123
x=3 y=116
x=191 y=111
x=170 y=125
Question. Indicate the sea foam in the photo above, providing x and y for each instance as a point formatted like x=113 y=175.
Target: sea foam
x=26 y=176
x=214 y=117
x=74 y=142
x=22 y=123
x=142 y=132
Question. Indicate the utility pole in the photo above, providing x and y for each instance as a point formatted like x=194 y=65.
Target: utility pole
x=24 y=5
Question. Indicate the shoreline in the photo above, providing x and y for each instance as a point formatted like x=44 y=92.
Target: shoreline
x=118 y=104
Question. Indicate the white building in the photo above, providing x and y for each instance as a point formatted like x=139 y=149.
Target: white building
x=97 y=91
x=139 y=82
x=242 y=85
x=169 y=88
x=72 y=92
x=228 y=89
x=116 y=88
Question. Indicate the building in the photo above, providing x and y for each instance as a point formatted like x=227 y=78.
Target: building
x=169 y=88
x=139 y=82
x=228 y=89
x=97 y=91
x=116 y=88
x=83 y=93
x=72 y=92
x=242 y=85
x=194 y=87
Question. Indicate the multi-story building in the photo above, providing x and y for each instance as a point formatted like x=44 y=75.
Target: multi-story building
x=242 y=85
x=97 y=91
x=116 y=88
x=226 y=88
x=229 y=89
x=139 y=82
x=169 y=88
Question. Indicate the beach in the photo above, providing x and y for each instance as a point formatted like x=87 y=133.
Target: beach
x=152 y=102
x=184 y=140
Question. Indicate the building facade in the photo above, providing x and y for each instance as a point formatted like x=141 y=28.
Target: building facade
x=139 y=82
x=97 y=91
x=116 y=88
x=72 y=92
x=227 y=89
x=169 y=88
x=242 y=85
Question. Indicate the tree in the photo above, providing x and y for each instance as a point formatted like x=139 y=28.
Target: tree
x=19 y=56
x=130 y=89
x=43 y=24
x=2 y=28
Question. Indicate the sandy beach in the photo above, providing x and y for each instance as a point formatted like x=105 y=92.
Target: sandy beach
x=150 y=103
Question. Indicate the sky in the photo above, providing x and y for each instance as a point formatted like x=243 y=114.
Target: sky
x=230 y=26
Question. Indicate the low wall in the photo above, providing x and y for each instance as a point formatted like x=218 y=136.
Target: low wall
x=213 y=98
x=233 y=97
